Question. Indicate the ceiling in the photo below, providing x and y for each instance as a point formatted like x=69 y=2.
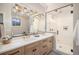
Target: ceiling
x=44 y=7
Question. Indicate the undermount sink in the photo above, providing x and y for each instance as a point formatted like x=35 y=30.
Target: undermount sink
x=37 y=35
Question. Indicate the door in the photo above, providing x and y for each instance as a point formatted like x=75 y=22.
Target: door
x=64 y=37
x=61 y=22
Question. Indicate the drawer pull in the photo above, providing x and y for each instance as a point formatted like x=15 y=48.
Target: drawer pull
x=34 y=50
x=14 y=53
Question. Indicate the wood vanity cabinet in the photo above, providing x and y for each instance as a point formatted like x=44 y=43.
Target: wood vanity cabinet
x=18 y=51
x=42 y=47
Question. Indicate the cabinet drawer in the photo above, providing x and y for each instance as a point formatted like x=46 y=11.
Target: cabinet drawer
x=36 y=50
x=43 y=49
x=50 y=40
x=32 y=49
x=19 y=51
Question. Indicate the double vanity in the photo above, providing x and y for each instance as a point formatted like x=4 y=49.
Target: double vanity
x=40 y=44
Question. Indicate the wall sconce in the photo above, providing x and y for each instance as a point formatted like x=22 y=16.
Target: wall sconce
x=22 y=10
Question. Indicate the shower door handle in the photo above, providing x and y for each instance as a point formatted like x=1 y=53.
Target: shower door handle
x=57 y=32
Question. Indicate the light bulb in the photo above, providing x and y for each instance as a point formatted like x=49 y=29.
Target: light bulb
x=25 y=9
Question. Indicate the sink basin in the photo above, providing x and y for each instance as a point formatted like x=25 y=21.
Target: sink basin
x=37 y=35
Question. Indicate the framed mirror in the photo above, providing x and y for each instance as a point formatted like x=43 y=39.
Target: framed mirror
x=20 y=24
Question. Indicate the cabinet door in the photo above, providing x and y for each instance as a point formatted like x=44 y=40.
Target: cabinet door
x=46 y=46
x=36 y=50
x=32 y=49
x=28 y=50
x=43 y=49
x=19 y=51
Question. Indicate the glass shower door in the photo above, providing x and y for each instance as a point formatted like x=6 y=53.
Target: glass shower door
x=61 y=21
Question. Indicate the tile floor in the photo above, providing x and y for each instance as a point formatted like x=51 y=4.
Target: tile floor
x=53 y=53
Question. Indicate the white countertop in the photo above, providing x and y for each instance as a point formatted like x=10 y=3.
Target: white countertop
x=22 y=41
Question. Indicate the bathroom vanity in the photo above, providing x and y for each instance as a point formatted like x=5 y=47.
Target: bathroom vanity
x=29 y=45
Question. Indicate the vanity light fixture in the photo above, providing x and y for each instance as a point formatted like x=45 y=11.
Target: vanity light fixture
x=19 y=9
x=16 y=6
x=31 y=12
x=23 y=10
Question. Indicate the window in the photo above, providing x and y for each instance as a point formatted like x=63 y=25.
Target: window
x=16 y=22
